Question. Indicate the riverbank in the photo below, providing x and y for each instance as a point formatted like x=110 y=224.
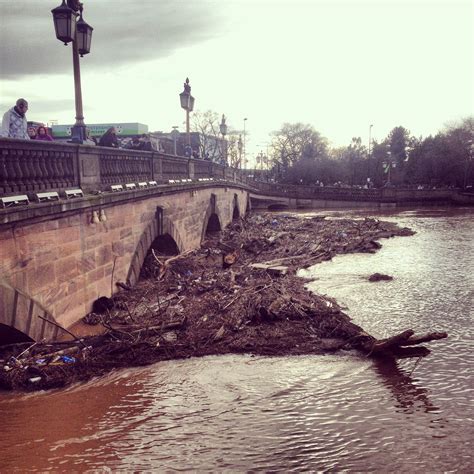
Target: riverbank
x=238 y=293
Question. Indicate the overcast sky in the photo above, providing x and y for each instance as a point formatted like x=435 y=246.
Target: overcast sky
x=337 y=65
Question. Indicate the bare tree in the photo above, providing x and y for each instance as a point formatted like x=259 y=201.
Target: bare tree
x=207 y=125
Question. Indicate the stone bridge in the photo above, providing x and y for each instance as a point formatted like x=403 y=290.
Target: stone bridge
x=59 y=254
x=75 y=220
x=55 y=265
x=285 y=196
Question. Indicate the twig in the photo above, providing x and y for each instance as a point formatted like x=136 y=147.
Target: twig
x=64 y=329
x=415 y=366
x=156 y=258
x=26 y=350
x=231 y=302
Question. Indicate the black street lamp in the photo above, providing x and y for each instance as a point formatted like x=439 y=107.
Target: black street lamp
x=71 y=29
x=469 y=157
x=245 y=136
x=84 y=36
x=389 y=164
x=187 y=103
x=223 y=130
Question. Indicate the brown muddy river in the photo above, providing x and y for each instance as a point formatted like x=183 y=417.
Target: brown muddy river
x=328 y=413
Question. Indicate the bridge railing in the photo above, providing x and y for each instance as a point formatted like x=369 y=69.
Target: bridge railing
x=352 y=194
x=32 y=166
x=315 y=192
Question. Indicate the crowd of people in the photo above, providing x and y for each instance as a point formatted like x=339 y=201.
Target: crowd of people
x=15 y=125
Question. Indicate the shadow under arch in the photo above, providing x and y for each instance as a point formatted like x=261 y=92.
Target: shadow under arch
x=235 y=208
x=163 y=246
x=212 y=219
x=11 y=335
x=160 y=226
x=277 y=207
x=24 y=317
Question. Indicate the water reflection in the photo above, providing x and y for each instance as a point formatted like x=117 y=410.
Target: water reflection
x=409 y=396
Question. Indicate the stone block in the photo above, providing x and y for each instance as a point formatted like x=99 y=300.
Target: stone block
x=92 y=242
x=67 y=268
x=86 y=262
x=50 y=295
x=118 y=248
x=94 y=276
x=103 y=255
x=42 y=277
x=126 y=232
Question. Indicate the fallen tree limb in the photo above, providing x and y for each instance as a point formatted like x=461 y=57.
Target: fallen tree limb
x=433 y=336
x=395 y=346
x=164 y=265
x=398 y=340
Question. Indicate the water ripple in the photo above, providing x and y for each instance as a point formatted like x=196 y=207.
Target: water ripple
x=330 y=413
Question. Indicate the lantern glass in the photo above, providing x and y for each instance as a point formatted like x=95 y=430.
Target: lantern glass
x=191 y=103
x=64 y=23
x=184 y=98
x=223 y=128
x=84 y=37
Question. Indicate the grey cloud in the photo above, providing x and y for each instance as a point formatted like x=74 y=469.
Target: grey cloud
x=124 y=32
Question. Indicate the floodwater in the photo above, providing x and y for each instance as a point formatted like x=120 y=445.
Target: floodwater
x=319 y=413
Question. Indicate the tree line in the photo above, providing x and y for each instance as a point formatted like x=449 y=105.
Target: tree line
x=299 y=154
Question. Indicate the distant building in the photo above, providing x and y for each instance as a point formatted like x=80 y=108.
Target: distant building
x=201 y=145
x=98 y=129
x=213 y=147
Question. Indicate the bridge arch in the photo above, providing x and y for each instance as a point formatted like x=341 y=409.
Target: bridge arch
x=235 y=209
x=212 y=217
x=38 y=325
x=161 y=225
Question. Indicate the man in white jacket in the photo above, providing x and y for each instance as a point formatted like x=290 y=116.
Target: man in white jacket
x=14 y=123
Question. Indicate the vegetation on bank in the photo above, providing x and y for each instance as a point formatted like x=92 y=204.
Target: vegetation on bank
x=298 y=154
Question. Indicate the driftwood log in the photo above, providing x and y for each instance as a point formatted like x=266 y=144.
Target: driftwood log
x=396 y=346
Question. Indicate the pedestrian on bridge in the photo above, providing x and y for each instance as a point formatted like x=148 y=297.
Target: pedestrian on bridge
x=43 y=135
x=109 y=138
x=14 y=123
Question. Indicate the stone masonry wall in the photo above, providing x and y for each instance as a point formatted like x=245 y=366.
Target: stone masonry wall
x=66 y=263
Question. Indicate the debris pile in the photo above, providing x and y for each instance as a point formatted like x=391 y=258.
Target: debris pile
x=238 y=293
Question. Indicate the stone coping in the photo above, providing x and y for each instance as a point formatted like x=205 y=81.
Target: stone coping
x=36 y=212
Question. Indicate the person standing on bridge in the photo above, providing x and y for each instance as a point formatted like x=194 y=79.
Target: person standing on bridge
x=43 y=135
x=109 y=138
x=14 y=123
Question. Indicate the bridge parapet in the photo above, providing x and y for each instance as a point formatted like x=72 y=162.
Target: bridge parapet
x=355 y=194
x=32 y=166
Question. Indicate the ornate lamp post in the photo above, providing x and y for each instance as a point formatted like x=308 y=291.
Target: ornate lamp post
x=223 y=130
x=369 y=155
x=245 y=154
x=69 y=28
x=175 y=136
x=240 y=147
x=469 y=158
x=370 y=140
x=187 y=103
x=388 y=165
